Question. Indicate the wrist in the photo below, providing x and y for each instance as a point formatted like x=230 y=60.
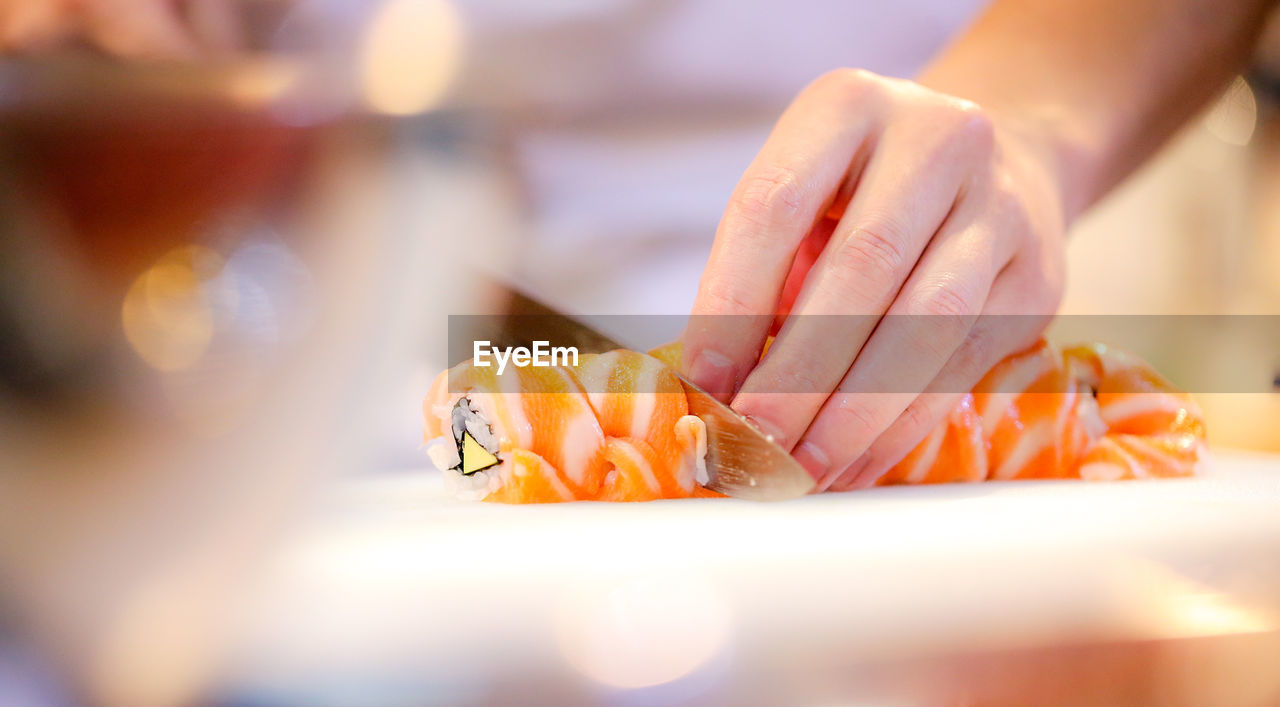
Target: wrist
x=1061 y=149
x=1059 y=141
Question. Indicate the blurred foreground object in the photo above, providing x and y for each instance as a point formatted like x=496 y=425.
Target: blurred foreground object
x=155 y=288
x=109 y=167
x=197 y=260
x=127 y=28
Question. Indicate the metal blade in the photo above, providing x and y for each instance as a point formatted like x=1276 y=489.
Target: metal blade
x=528 y=320
x=741 y=461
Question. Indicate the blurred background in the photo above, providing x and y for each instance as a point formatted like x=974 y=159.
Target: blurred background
x=229 y=243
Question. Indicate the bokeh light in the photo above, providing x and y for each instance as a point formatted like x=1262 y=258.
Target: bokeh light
x=643 y=631
x=167 y=315
x=214 y=327
x=411 y=53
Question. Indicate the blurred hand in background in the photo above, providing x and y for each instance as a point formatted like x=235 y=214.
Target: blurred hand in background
x=152 y=29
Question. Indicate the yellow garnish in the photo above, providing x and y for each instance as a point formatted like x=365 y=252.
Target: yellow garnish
x=475 y=457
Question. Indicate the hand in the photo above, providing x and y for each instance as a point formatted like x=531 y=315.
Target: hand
x=169 y=29
x=876 y=196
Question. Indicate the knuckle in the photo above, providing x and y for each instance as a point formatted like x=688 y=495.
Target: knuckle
x=917 y=417
x=976 y=127
x=849 y=88
x=723 y=299
x=847 y=80
x=974 y=356
x=804 y=380
x=873 y=248
x=854 y=419
x=965 y=129
x=946 y=298
x=793 y=376
x=771 y=196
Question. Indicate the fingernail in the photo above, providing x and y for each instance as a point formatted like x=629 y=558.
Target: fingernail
x=771 y=431
x=713 y=371
x=813 y=459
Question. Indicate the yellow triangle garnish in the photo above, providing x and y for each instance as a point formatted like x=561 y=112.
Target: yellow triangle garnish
x=475 y=457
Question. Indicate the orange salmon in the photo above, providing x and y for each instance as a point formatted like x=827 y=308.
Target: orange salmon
x=617 y=427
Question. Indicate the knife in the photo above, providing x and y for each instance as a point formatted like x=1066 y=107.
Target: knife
x=741 y=461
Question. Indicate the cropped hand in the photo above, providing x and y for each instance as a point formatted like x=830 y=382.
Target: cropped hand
x=873 y=197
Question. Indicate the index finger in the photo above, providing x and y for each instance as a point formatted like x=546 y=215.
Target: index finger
x=802 y=166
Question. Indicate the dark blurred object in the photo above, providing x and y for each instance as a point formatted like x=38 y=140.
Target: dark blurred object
x=132 y=162
x=1266 y=60
x=108 y=166
x=196 y=262
x=113 y=160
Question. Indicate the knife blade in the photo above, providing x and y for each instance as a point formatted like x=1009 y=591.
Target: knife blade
x=741 y=461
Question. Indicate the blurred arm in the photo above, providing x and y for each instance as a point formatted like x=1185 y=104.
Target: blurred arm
x=1104 y=83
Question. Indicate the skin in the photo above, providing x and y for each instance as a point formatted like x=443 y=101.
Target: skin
x=137 y=29
x=938 y=205
x=947 y=197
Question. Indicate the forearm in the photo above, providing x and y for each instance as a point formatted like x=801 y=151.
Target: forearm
x=1101 y=84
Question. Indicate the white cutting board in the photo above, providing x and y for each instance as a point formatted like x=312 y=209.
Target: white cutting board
x=398 y=590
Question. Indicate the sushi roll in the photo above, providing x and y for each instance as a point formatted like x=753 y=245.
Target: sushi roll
x=1088 y=412
x=1153 y=429
x=615 y=427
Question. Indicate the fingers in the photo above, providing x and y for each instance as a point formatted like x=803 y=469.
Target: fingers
x=930 y=216
x=905 y=194
x=915 y=423
x=927 y=323
x=1012 y=319
x=1020 y=304
x=811 y=152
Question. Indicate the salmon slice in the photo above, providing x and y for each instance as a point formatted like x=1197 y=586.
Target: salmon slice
x=638 y=397
x=542 y=410
x=1132 y=397
x=1028 y=405
x=954 y=451
x=669 y=354
x=617 y=427
x=1127 y=456
x=636 y=467
x=528 y=478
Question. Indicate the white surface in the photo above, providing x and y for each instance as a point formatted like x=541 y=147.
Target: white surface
x=397 y=587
